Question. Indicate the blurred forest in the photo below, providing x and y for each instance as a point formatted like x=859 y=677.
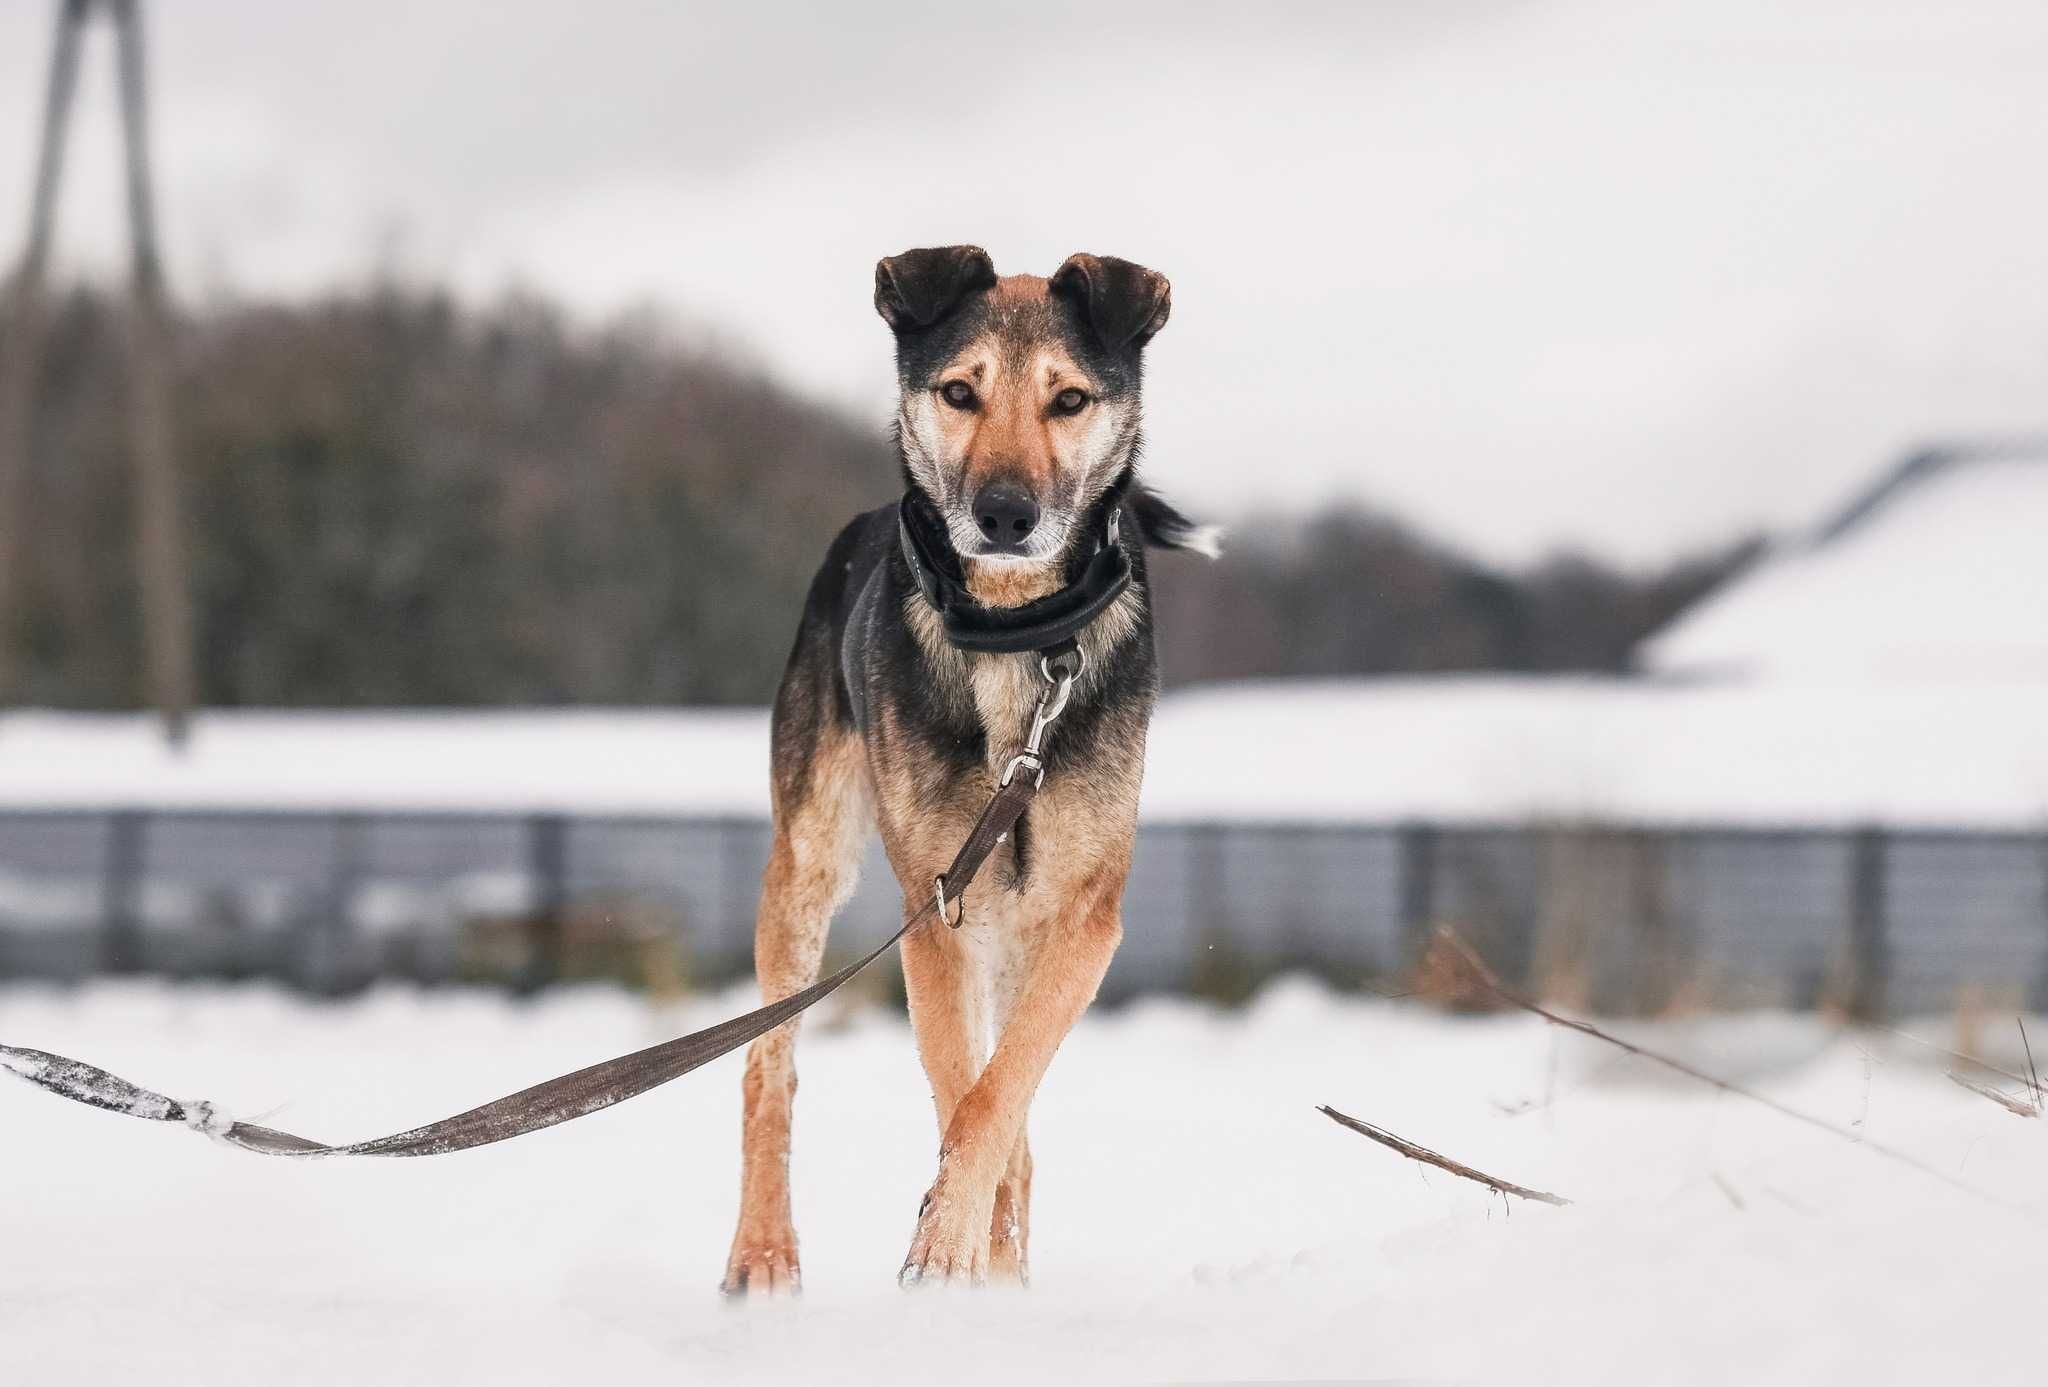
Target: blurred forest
x=395 y=501
x=1350 y=591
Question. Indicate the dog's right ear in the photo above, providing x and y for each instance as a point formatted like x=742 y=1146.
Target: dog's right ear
x=917 y=288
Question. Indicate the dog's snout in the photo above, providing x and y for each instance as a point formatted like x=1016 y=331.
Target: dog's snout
x=1005 y=513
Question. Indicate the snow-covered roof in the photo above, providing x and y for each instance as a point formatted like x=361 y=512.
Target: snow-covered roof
x=1939 y=571
x=1472 y=749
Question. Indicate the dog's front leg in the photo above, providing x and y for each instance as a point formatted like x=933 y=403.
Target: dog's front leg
x=812 y=866
x=1009 y=1232
x=952 y=1238
x=948 y=1014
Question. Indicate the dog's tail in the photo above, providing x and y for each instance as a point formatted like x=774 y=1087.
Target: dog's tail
x=1164 y=527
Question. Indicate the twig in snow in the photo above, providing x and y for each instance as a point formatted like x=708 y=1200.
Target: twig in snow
x=1788 y=1201
x=1439 y=1160
x=2018 y=1107
x=1486 y=979
x=1983 y=1064
x=2033 y=1074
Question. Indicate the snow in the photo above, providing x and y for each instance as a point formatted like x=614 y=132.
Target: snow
x=1582 y=749
x=1446 y=749
x=1196 y=1220
x=616 y=761
x=1948 y=573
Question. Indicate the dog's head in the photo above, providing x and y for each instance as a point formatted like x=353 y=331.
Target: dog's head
x=1020 y=395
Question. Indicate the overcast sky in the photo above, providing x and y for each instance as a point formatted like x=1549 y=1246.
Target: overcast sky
x=1612 y=273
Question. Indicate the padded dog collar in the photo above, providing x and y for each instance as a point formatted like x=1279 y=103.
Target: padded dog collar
x=1044 y=625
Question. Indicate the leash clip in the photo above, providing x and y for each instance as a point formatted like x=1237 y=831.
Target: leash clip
x=1060 y=669
x=1060 y=677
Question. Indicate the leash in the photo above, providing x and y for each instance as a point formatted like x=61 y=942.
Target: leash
x=599 y=1086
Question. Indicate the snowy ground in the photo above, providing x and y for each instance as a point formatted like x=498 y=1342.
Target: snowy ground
x=1196 y=1220
x=1452 y=749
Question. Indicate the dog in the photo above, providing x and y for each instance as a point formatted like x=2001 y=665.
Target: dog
x=1018 y=433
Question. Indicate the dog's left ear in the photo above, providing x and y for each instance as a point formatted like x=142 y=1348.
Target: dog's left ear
x=1126 y=304
x=917 y=288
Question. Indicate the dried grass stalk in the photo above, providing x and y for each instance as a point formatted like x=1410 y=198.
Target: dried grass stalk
x=1441 y=1161
x=1486 y=980
x=2012 y=1103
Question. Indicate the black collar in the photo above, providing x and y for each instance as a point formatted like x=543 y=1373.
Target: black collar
x=1044 y=625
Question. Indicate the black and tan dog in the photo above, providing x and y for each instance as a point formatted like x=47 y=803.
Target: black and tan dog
x=1019 y=433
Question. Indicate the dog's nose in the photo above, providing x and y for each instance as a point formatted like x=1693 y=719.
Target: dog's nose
x=1006 y=514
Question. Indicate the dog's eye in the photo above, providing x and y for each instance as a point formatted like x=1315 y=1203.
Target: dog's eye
x=957 y=393
x=1070 y=401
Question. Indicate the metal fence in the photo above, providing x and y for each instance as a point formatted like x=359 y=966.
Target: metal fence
x=1615 y=919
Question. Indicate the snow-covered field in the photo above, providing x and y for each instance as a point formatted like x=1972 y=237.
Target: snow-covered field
x=1195 y=1219
x=1448 y=749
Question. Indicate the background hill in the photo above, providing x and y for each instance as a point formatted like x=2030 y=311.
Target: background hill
x=396 y=500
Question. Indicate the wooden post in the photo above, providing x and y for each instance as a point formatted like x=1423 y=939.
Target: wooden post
x=547 y=865
x=1869 y=949
x=1418 y=853
x=1665 y=963
x=333 y=966
x=2038 y=999
x=162 y=583
x=726 y=939
x=121 y=872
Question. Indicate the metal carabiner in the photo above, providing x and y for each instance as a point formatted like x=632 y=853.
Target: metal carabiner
x=1053 y=701
x=1051 y=704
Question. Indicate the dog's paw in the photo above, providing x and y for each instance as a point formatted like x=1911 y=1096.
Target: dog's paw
x=949 y=1246
x=1007 y=1263
x=757 y=1270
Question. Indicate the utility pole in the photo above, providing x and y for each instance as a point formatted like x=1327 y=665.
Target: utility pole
x=22 y=353
x=160 y=568
x=162 y=584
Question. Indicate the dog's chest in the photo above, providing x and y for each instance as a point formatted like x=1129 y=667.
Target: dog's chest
x=1005 y=689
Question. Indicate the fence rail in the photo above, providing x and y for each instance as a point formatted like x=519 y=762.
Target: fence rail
x=1617 y=919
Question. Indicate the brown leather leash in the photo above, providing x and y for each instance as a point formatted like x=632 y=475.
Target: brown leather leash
x=599 y=1086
